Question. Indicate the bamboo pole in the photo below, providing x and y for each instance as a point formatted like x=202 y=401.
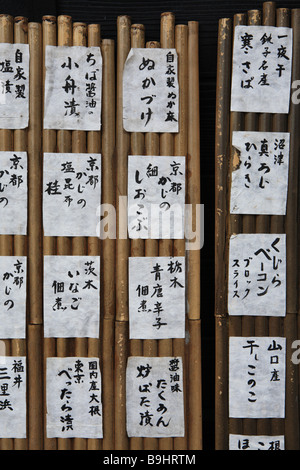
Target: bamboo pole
x=35 y=240
x=18 y=346
x=222 y=155
x=292 y=274
x=137 y=245
x=108 y=244
x=79 y=244
x=193 y=256
x=122 y=244
x=49 y=245
x=6 y=144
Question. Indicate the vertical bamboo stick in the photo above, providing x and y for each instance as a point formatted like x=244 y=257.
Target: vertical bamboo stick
x=137 y=245
x=79 y=244
x=237 y=120
x=122 y=244
x=93 y=243
x=18 y=346
x=193 y=256
x=6 y=144
x=35 y=240
x=49 y=145
x=292 y=274
x=108 y=244
x=222 y=154
x=180 y=148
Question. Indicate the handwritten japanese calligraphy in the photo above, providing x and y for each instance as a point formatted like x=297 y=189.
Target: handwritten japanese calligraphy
x=261 y=77
x=73 y=88
x=243 y=442
x=257 y=377
x=157 y=297
x=13 y=397
x=71 y=296
x=14 y=86
x=260 y=177
x=150 y=91
x=156 y=196
x=72 y=194
x=74 y=404
x=154 y=397
x=12 y=296
x=13 y=193
x=257 y=275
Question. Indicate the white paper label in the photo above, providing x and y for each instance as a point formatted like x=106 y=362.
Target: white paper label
x=74 y=407
x=73 y=88
x=243 y=442
x=257 y=275
x=150 y=91
x=72 y=194
x=13 y=397
x=157 y=297
x=156 y=196
x=257 y=377
x=13 y=193
x=14 y=86
x=71 y=296
x=154 y=397
x=13 y=296
x=261 y=77
x=260 y=177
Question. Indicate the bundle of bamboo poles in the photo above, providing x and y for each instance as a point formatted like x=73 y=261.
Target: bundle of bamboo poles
x=113 y=346
x=228 y=224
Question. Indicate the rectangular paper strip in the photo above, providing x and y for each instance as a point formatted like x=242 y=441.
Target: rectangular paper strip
x=71 y=194
x=257 y=274
x=13 y=296
x=13 y=397
x=157 y=297
x=13 y=193
x=243 y=442
x=74 y=406
x=73 y=88
x=262 y=62
x=260 y=172
x=71 y=296
x=154 y=397
x=150 y=90
x=257 y=377
x=14 y=86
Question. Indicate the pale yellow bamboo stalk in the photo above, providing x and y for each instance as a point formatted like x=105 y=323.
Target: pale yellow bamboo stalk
x=108 y=244
x=18 y=346
x=137 y=245
x=122 y=244
x=35 y=239
x=6 y=144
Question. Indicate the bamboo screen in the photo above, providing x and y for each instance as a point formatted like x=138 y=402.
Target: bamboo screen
x=227 y=326
x=113 y=346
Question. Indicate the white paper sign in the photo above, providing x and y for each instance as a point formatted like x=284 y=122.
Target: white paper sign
x=257 y=275
x=14 y=86
x=261 y=77
x=150 y=91
x=71 y=296
x=156 y=196
x=12 y=296
x=73 y=88
x=74 y=406
x=13 y=397
x=257 y=377
x=156 y=297
x=154 y=397
x=13 y=193
x=72 y=194
x=260 y=177
x=243 y=442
